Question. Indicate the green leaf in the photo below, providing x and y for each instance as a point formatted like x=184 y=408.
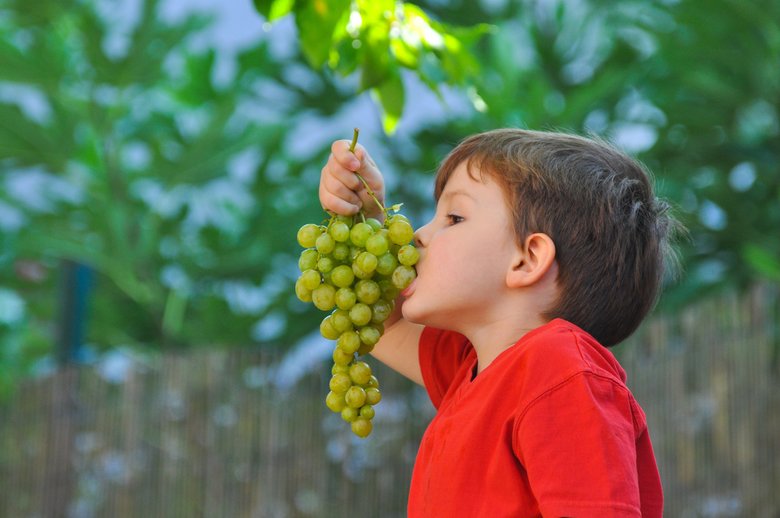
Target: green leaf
x=198 y=88
x=376 y=56
x=763 y=261
x=317 y=21
x=390 y=94
x=273 y=9
x=405 y=53
x=280 y=8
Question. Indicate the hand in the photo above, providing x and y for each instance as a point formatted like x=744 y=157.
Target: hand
x=341 y=191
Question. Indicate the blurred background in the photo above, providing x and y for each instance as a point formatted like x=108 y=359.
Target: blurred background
x=158 y=156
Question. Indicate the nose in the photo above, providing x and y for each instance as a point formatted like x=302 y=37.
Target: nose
x=421 y=236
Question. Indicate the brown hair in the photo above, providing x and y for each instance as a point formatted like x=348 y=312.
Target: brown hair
x=597 y=205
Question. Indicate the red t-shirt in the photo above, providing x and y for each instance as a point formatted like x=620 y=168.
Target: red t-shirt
x=549 y=429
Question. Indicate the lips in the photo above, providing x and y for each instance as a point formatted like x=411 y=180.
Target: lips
x=407 y=292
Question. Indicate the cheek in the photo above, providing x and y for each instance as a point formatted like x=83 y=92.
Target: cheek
x=453 y=264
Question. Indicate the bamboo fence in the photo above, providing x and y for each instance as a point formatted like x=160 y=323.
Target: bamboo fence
x=212 y=433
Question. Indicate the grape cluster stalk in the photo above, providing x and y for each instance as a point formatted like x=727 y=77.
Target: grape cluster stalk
x=353 y=268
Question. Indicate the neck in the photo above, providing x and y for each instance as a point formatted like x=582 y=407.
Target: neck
x=498 y=335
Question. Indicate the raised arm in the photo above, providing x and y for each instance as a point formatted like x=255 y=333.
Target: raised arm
x=343 y=193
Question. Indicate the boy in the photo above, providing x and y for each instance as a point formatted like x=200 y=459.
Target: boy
x=545 y=249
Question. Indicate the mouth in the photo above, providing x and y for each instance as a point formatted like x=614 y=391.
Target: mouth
x=407 y=292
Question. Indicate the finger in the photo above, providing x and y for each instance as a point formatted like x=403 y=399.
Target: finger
x=346 y=177
x=368 y=169
x=346 y=158
x=333 y=177
x=335 y=187
x=334 y=167
x=337 y=205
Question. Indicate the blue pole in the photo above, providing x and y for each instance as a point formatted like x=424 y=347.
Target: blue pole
x=75 y=288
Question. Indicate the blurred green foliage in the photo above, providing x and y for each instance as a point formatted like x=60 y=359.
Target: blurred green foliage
x=692 y=91
x=137 y=163
x=379 y=39
x=121 y=150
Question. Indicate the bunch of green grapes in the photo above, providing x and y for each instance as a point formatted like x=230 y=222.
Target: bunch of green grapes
x=353 y=268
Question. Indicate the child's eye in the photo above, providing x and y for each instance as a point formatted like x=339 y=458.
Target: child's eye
x=454 y=219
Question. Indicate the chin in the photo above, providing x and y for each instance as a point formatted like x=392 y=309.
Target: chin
x=421 y=316
x=413 y=314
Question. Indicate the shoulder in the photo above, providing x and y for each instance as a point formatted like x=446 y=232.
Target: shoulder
x=560 y=349
x=558 y=362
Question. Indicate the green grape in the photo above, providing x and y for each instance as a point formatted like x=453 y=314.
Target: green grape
x=327 y=330
x=342 y=276
x=408 y=255
x=373 y=396
x=367 y=291
x=366 y=411
x=341 y=357
x=360 y=234
x=339 y=231
x=359 y=268
x=354 y=251
x=377 y=244
x=345 y=298
x=349 y=342
x=325 y=243
x=323 y=297
x=341 y=321
x=369 y=335
x=349 y=414
x=364 y=348
x=310 y=279
x=359 y=373
x=340 y=252
x=308 y=259
x=325 y=264
x=374 y=224
x=340 y=383
x=389 y=291
x=401 y=232
x=303 y=293
x=360 y=314
x=356 y=396
x=380 y=310
x=361 y=426
x=403 y=276
x=366 y=261
x=339 y=368
x=308 y=234
x=360 y=273
x=397 y=217
x=386 y=263
x=335 y=402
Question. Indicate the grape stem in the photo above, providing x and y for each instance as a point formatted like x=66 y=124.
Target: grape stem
x=365 y=184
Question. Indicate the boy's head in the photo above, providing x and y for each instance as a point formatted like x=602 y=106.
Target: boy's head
x=597 y=205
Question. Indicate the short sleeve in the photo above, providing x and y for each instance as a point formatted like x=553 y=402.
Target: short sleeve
x=577 y=443
x=442 y=354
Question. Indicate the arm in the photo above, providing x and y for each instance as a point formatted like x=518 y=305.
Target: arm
x=577 y=444
x=398 y=347
x=343 y=193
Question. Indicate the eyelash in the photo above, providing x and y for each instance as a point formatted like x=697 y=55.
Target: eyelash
x=454 y=219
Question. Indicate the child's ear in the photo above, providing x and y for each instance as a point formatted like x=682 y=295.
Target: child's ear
x=532 y=262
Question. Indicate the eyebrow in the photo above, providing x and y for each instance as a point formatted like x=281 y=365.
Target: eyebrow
x=457 y=192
